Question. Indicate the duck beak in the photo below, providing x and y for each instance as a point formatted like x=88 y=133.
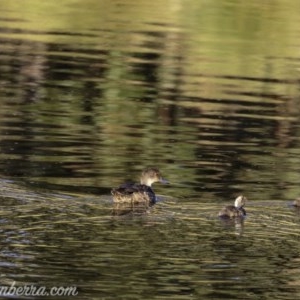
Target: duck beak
x=164 y=181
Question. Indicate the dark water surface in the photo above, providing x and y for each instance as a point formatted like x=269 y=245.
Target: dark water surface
x=91 y=92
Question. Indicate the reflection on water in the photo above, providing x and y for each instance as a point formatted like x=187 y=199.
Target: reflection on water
x=94 y=91
x=134 y=208
x=179 y=250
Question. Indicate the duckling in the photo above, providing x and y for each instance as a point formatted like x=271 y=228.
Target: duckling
x=296 y=202
x=236 y=210
x=139 y=192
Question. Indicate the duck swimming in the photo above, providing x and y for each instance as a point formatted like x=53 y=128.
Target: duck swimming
x=236 y=210
x=139 y=192
x=296 y=202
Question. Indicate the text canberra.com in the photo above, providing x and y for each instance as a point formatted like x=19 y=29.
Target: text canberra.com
x=32 y=290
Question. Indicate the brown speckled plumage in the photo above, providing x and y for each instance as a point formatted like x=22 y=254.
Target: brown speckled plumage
x=296 y=202
x=138 y=192
x=236 y=210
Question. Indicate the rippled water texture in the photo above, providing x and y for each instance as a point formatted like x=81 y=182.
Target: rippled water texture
x=92 y=92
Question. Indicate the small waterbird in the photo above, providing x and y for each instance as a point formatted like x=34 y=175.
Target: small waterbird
x=234 y=211
x=296 y=202
x=139 y=192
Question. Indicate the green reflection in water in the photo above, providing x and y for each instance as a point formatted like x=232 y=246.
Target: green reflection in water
x=176 y=249
x=92 y=91
x=185 y=87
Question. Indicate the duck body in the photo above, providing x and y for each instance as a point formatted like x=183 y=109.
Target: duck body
x=234 y=211
x=139 y=192
x=296 y=202
x=133 y=192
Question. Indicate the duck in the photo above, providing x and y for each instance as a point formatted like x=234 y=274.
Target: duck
x=296 y=202
x=139 y=192
x=234 y=211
